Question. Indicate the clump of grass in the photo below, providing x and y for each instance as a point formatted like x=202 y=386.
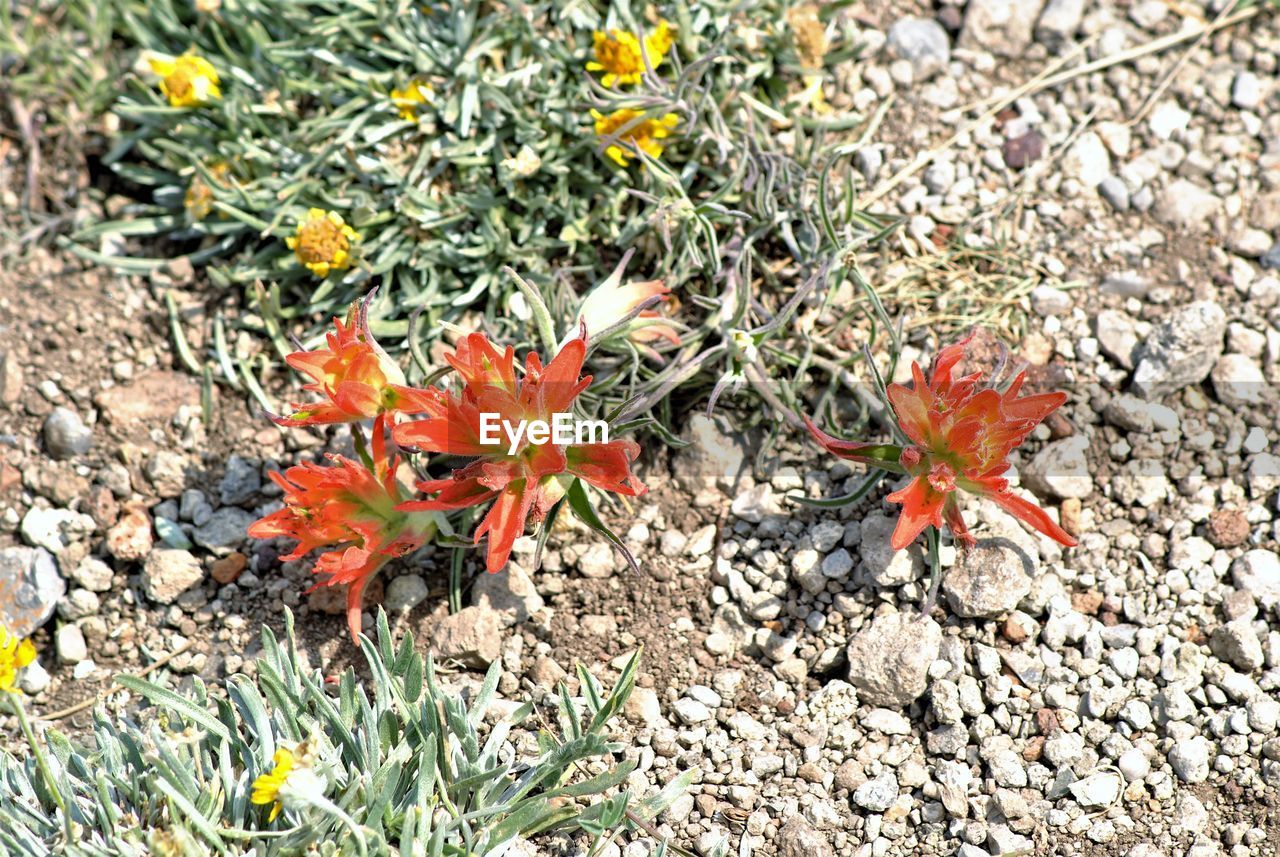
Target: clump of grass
x=954 y=286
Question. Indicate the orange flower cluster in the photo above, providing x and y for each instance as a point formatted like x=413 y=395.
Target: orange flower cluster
x=526 y=484
x=961 y=434
x=358 y=513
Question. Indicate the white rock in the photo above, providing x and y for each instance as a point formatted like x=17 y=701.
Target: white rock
x=55 y=529
x=690 y=711
x=1238 y=381
x=806 y=567
x=93 y=574
x=1141 y=482
x=877 y=795
x=889 y=659
x=1247 y=91
x=1186 y=205
x=1118 y=335
x=1134 y=765
x=643 y=706
x=1096 y=790
x=923 y=43
x=1258 y=572
x=886 y=721
x=1061 y=469
x=70 y=644
x=1047 y=301
x=1180 y=351
x=1190 y=759
x=1063 y=748
x=1135 y=414
x=406 y=592
x=598 y=561
x=35 y=678
x=1168 y=119
x=888 y=567
x=1148 y=13
x=1125 y=662
x=1008 y=769
x=1264 y=714
x=511 y=593
x=747 y=727
x=990 y=580
x=1237 y=644
x=837 y=565
x=1087 y=160
x=168 y=572
x=1002 y=27
x=755 y=503
x=826 y=534
x=1059 y=21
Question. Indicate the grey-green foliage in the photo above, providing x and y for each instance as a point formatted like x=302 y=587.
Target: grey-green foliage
x=408 y=767
x=306 y=120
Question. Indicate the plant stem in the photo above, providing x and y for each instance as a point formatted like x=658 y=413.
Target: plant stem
x=41 y=761
x=333 y=809
x=932 y=539
x=455 y=581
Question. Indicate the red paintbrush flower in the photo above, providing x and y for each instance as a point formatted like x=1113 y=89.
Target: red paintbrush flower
x=355 y=377
x=523 y=478
x=354 y=512
x=961 y=434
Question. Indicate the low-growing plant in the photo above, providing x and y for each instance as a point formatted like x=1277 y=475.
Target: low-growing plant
x=320 y=148
x=289 y=762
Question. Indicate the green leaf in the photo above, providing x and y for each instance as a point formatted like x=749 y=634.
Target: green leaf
x=621 y=692
x=168 y=699
x=581 y=505
x=873 y=479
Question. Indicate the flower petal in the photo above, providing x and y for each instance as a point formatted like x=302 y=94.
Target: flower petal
x=1032 y=515
x=504 y=524
x=921 y=507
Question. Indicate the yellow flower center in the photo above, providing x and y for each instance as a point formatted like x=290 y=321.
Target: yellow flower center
x=321 y=241
x=810 y=35
x=178 y=84
x=187 y=81
x=619 y=52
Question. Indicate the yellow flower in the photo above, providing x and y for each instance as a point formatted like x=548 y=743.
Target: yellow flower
x=642 y=133
x=323 y=242
x=198 y=199
x=409 y=99
x=15 y=653
x=188 y=80
x=266 y=788
x=620 y=55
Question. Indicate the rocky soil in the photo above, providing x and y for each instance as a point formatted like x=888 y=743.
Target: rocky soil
x=1119 y=698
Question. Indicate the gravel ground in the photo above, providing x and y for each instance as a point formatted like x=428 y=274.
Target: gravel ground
x=1120 y=698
